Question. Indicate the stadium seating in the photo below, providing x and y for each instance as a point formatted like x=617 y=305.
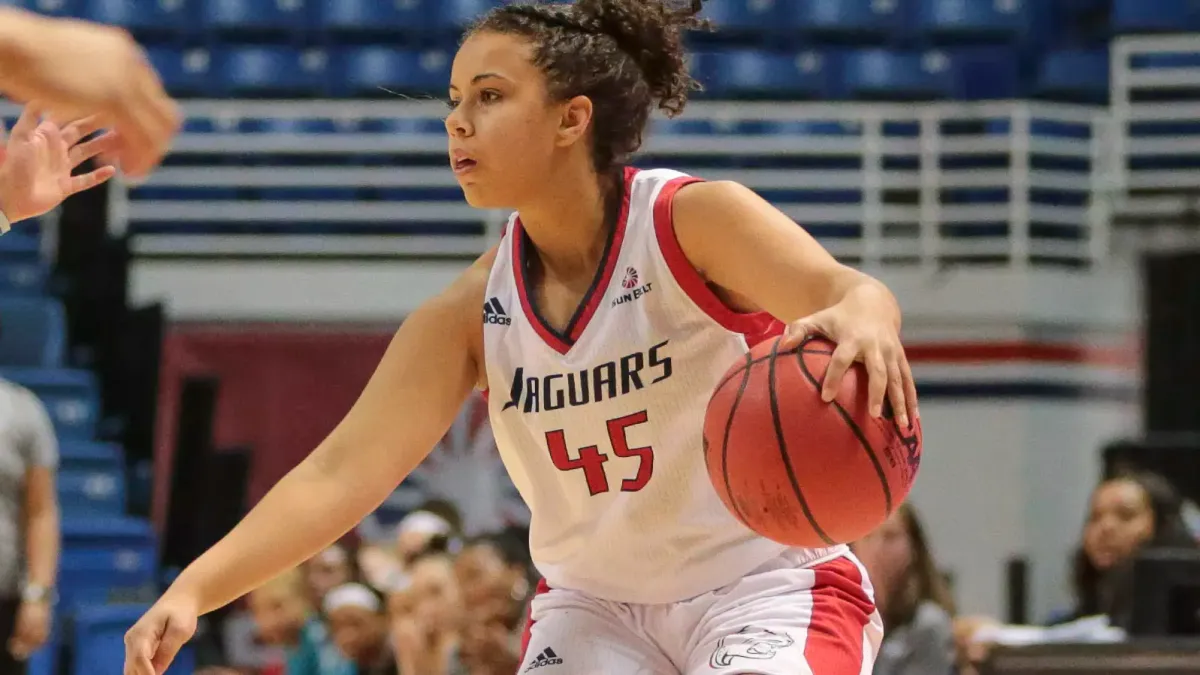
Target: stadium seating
x=71 y=398
x=253 y=18
x=32 y=332
x=378 y=71
x=269 y=70
x=353 y=48
x=90 y=456
x=861 y=21
x=1167 y=16
x=98 y=644
x=153 y=18
x=91 y=492
x=103 y=555
x=21 y=268
x=1074 y=75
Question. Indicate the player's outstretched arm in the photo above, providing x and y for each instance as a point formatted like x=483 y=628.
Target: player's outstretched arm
x=760 y=259
x=418 y=388
x=75 y=69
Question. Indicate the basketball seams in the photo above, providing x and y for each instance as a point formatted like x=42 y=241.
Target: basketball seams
x=782 y=441
x=737 y=399
x=749 y=364
x=849 y=420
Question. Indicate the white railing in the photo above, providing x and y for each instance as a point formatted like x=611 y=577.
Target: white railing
x=1155 y=110
x=1004 y=183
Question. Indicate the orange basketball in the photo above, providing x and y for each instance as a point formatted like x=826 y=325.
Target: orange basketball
x=794 y=468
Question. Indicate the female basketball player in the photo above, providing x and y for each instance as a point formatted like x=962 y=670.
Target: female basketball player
x=600 y=324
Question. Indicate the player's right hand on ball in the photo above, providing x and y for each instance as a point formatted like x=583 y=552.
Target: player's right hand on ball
x=77 y=69
x=156 y=638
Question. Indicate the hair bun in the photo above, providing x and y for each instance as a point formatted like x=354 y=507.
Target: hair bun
x=651 y=33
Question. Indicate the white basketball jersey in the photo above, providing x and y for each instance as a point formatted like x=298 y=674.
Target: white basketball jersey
x=601 y=426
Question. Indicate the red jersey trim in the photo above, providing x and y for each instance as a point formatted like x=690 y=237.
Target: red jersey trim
x=755 y=326
x=591 y=300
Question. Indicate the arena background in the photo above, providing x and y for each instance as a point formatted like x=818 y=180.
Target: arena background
x=1022 y=175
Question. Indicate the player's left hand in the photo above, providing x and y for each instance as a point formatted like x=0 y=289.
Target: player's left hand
x=37 y=160
x=869 y=336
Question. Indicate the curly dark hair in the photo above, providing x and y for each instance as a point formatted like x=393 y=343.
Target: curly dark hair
x=627 y=56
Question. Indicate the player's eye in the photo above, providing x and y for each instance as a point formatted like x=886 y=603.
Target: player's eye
x=489 y=96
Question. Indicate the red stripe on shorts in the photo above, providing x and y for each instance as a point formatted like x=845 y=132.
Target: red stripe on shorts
x=841 y=610
x=542 y=587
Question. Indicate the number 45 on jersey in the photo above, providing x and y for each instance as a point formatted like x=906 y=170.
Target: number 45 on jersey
x=591 y=460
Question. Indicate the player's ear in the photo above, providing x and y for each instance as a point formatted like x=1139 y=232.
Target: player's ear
x=574 y=120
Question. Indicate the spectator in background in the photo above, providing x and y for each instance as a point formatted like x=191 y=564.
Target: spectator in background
x=334 y=566
x=912 y=597
x=1127 y=514
x=29 y=525
x=422 y=532
x=426 y=616
x=284 y=618
x=358 y=622
x=496 y=580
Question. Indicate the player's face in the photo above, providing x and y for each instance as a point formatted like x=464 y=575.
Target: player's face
x=503 y=128
x=1120 y=521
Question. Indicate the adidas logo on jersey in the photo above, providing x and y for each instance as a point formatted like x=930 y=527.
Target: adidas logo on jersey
x=546 y=658
x=494 y=314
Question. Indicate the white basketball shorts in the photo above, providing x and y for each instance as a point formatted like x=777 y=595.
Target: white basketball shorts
x=781 y=619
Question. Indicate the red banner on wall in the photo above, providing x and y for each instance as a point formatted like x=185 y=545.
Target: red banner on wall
x=283 y=389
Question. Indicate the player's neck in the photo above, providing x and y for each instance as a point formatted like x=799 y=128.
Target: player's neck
x=570 y=227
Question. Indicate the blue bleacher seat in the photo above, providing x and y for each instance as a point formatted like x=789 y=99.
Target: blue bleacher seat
x=682 y=127
x=372 y=17
x=744 y=16
x=71 y=398
x=253 y=17
x=53 y=7
x=140 y=16
x=1074 y=75
x=369 y=71
x=1146 y=16
x=454 y=15
x=270 y=71
x=102 y=556
x=986 y=73
x=98 y=640
x=184 y=72
x=91 y=492
x=88 y=456
x=32 y=332
x=859 y=20
x=45 y=660
x=748 y=73
x=21 y=268
x=882 y=74
x=1009 y=20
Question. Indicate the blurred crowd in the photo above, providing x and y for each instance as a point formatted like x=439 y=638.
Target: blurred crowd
x=423 y=602
x=427 y=602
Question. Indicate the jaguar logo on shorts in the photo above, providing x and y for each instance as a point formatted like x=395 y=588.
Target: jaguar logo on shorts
x=750 y=642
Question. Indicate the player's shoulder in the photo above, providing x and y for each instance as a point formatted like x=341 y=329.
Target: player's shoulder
x=459 y=302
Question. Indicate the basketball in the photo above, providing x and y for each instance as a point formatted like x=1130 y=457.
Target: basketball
x=794 y=468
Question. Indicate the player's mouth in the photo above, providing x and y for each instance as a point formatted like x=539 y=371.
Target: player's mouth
x=462 y=162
